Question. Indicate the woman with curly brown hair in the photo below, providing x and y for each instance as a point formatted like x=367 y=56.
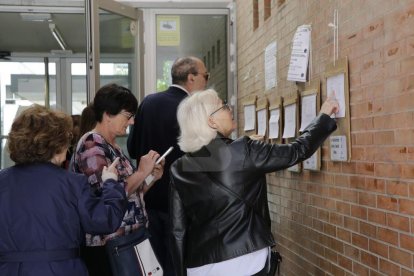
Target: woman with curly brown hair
x=44 y=209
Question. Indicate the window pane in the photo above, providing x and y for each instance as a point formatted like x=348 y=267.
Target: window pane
x=192 y=35
x=22 y=84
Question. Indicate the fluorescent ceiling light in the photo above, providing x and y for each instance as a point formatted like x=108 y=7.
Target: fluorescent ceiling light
x=56 y=34
x=36 y=17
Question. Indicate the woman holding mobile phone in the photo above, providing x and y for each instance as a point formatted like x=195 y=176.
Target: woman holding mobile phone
x=114 y=107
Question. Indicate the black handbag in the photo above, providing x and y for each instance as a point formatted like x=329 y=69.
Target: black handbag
x=132 y=255
x=275 y=257
x=275 y=260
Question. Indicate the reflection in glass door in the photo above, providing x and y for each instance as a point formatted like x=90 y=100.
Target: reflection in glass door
x=203 y=36
x=116 y=50
x=111 y=72
x=116 y=41
x=22 y=83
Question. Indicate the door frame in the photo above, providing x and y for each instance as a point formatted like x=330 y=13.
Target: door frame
x=92 y=9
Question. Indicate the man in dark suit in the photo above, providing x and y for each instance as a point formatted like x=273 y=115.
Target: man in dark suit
x=156 y=128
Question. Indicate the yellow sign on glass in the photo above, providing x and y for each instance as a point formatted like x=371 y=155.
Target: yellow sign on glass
x=168 y=30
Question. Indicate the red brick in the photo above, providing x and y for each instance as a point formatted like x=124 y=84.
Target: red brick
x=397 y=188
x=375 y=185
x=343 y=208
x=407 y=242
x=377 y=216
x=378 y=248
x=389 y=268
x=350 y=196
x=342 y=180
x=360 y=270
x=369 y=259
x=360 y=241
x=363 y=138
x=365 y=168
x=352 y=252
x=336 y=219
x=387 y=203
x=367 y=199
x=387 y=170
x=344 y=235
x=401 y=257
x=394 y=51
x=345 y=262
x=352 y=224
x=398 y=222
x=385 y=137
x=407 y=206
x=368 y=229
x=359 y=212
x=358 y=153
x=405 y=272
x=407 y=171
x=387 y=235
x=411 y=190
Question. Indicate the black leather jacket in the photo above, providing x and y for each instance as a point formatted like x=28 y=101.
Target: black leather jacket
x=209 y=224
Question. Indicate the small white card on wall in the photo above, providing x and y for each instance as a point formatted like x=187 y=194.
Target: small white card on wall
x=290 y=121
x=311 y=163
x=338 y=148
x=249 y=117
x=274 y=124
x=261 y=122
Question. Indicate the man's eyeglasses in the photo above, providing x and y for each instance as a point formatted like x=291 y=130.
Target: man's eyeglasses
x=128 y=115
x=206 y=75
x=225 y=106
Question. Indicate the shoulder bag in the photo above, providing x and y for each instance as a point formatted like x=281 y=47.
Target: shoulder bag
x=132 y=255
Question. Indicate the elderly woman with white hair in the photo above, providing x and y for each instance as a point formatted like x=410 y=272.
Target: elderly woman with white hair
x=219 y=213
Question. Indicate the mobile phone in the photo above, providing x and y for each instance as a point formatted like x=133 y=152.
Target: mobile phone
x=164 y=155
x=150 y=177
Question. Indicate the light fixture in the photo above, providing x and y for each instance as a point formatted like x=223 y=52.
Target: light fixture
x=36 y=17
x=56 y=34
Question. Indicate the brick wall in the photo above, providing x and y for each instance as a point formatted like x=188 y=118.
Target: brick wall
x=353 y=218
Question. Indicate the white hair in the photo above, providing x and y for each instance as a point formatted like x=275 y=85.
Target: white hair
x=192 y=115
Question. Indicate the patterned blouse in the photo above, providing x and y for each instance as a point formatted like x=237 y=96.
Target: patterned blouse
x=92 y=154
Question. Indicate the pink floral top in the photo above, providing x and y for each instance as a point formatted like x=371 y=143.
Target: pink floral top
x=92 y=154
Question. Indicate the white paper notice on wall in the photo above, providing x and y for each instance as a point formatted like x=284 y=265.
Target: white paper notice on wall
x=299 y=57
x=290 y=121
x=311 y=163
x=249 y=117
x=335 y=87
x=294 y=168
x=274 y=123
x=308 y=111
x=270 y=66
x=261 y=122
x=338 y=148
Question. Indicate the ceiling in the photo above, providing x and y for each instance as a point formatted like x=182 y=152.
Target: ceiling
x=24 y=24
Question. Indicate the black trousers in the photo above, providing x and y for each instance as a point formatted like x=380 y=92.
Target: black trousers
x=158 y=228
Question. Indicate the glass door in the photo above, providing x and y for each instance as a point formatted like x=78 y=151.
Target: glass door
x=23 y=82
x=112 y=50
x=204 y=33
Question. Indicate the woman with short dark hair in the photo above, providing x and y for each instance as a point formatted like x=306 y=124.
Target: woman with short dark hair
x=44 y=209
x=114 y=107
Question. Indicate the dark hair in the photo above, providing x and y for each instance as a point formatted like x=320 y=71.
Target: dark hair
x=76 y=120
x=88 y=120
x=113 y=98
x=182 y=67
x=39 y=133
